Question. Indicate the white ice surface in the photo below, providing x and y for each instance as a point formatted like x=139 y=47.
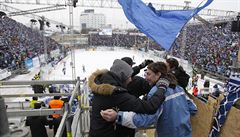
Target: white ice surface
x=92 y=60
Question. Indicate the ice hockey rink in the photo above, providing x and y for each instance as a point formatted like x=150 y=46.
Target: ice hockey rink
x=92 y=59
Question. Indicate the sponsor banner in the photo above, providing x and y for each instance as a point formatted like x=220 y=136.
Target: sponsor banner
x=137 y=34
x=4 y=73
x=106 y=31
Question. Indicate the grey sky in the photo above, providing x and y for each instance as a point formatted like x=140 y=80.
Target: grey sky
x=116 y=16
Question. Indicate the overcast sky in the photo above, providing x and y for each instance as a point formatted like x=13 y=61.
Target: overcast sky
x=116 y=16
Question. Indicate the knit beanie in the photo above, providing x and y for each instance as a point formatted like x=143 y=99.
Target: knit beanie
x=121 y=69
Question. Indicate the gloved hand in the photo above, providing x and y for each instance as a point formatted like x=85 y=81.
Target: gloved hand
x=145 y=63
x=163 y=83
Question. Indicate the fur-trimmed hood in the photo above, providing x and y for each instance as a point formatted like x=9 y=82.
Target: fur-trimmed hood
x=103 y=89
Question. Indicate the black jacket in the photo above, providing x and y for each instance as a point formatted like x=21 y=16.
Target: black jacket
x=37 y=125
x=109 y=93
x=136 y=70
x=138 y=86
x=38 y=88
x=181 y=76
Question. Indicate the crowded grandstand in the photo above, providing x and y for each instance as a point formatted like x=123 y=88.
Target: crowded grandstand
x=205 y=52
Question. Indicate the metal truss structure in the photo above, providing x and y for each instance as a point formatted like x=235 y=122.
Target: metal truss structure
x=38 y=10
x=12 y=11
x=114 y=4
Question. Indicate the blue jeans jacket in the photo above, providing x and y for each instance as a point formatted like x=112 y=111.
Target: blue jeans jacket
x=172 y=118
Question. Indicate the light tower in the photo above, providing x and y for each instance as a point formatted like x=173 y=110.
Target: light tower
x=42 y=29
x=184 y=31
x=72 y=3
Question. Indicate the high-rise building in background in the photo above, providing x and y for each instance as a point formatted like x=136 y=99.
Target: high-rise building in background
x=91 y=20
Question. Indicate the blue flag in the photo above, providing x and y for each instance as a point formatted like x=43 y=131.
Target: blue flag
x=162 y=26
x=233 y=89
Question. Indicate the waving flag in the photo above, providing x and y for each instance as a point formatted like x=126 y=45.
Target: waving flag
x=162 y=26
x=233 y=89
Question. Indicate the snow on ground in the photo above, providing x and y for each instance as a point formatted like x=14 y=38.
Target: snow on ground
x=91 y=59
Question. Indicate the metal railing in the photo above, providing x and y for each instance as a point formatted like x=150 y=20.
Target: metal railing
x=65 y=112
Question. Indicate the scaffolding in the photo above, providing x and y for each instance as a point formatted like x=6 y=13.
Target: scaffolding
x=81 y=123
x=114 y=4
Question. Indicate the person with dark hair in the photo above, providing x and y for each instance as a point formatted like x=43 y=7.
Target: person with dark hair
x=56 y=102
x=173 y=116
x=216 y=91
x=128 y=60
x=38 y=88
x=206 y=84
x=37 y=123
x=34 y=100
x=109 y=90
x=136 y=69
x=205 y=90
x=53 y=88
x=137 y=87
x=178 y=71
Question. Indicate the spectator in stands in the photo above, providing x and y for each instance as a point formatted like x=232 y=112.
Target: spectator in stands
x=216 y=91
x=210 y=47
x=178 y=72
x=195 y=80
x=109 y=91
x=137 y=87
x=173 y=116
x=34 y=100
x=56 y=102
x=205 y=91
x=136 y=69
x=38 y=89
x=195 y=90
x=18 y=43
x=37 y=123
x=53 y=88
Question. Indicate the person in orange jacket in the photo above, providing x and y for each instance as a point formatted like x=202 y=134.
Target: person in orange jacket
x=56 y=102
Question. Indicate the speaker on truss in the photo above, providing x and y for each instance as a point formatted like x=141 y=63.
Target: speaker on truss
x=75 y=3
x=236 y=24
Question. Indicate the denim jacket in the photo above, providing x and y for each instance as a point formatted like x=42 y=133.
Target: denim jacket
x=172 y=118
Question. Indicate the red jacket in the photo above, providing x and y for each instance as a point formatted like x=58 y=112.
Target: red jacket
x=195 y=91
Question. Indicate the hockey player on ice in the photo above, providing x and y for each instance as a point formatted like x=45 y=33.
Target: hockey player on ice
x=64 y=70
x=83 y=68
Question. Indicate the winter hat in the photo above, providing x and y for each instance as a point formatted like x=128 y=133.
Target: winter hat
x=128 y=60
x=121 y=69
